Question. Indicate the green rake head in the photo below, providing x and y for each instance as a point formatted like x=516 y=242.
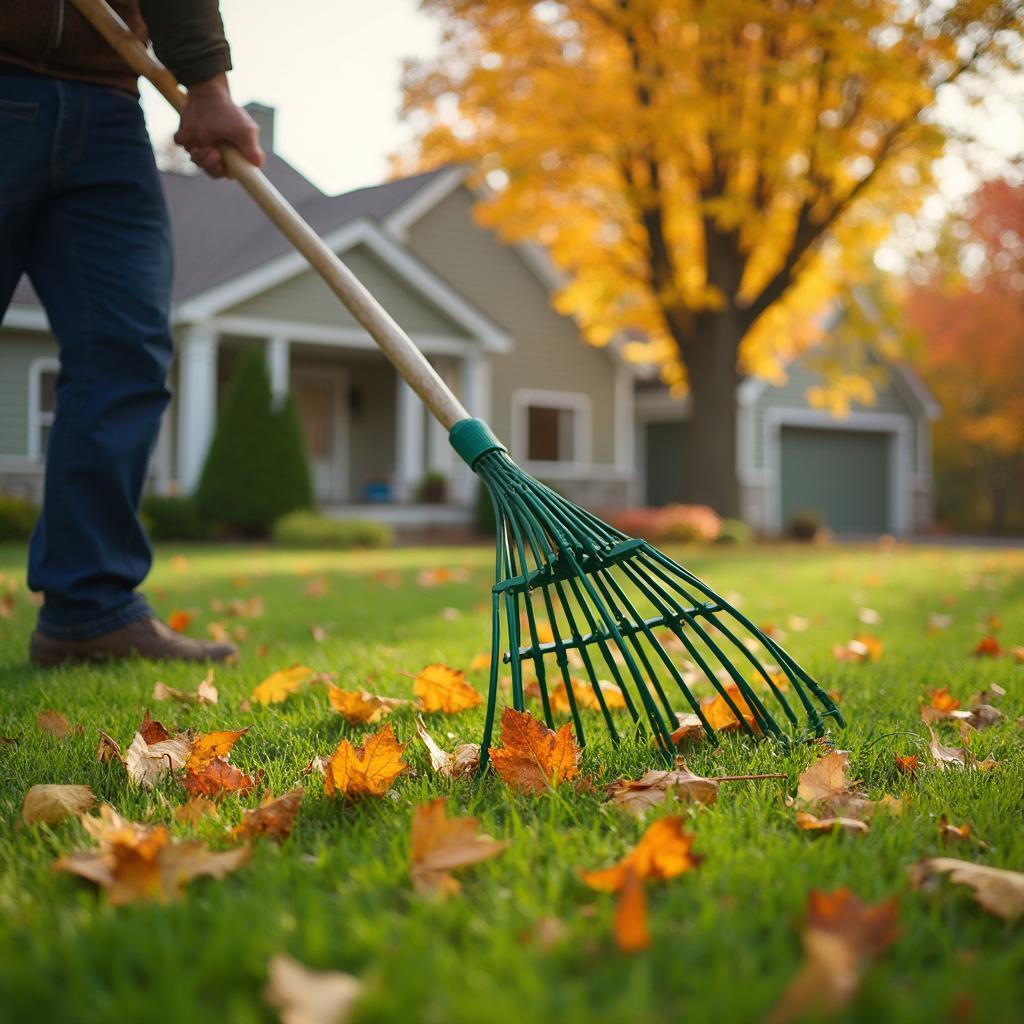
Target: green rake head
x=573 y=594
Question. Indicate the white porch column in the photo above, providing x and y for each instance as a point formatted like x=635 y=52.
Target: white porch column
x=409 y=430
x=440 y=455
x=196 y=401
x=277 y=355
x=476 y=397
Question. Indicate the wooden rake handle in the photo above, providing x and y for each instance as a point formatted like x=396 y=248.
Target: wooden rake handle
x=407 y=359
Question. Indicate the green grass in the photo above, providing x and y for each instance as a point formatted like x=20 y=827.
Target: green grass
x=337 y=895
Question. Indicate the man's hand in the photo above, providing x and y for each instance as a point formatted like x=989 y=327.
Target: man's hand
x=210 y=117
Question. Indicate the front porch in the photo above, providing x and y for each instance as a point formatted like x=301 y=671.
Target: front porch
x=371 y=443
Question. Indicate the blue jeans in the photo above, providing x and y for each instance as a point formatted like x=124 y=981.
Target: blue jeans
x=83 y=214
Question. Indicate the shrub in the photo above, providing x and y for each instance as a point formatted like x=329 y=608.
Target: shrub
x=735 y=531
x=673 y=522
x=804 y=525
x=257 y=469
x=173 y=517
x=308 y=529
x=17 y=518
x=433 y=488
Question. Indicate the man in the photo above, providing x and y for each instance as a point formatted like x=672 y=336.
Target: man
x=82 y=214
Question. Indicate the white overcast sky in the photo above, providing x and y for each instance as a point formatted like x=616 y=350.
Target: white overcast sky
x=332 y=68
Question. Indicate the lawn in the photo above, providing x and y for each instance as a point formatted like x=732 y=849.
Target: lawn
x=336 y=894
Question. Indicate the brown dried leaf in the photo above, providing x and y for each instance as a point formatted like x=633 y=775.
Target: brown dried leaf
x=534 y=758
x=360 y=706
x=907 y=764
x=108 y=749
x=960 y=756
x=310 y=997
x=216 y=779
x=999 y=891
x=194 y=811
x=441 y=844
x=273 y=818
x=825 y=778
x=663 y=852
x=49 y=804
x=809 y=823
x=149 y=763
x=464 y=760
x=54 y=723
x=688 y=729
x=652 y=789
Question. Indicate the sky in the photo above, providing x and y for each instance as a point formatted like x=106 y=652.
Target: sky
x=332 y=69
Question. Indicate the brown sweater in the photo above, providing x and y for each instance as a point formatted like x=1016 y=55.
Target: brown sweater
x=50 y=37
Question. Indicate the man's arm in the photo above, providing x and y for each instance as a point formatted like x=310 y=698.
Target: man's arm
x=188 y=36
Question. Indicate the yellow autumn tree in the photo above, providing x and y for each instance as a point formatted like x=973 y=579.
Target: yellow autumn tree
x=708 y=174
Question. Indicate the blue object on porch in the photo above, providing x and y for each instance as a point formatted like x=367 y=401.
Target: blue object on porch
x=377 y=494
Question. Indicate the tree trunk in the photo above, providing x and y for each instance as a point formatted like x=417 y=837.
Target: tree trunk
x=710 y=357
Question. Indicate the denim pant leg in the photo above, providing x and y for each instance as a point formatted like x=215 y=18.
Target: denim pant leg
x=101 y=262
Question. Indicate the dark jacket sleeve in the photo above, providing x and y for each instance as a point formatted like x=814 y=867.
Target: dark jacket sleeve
x=188 y=36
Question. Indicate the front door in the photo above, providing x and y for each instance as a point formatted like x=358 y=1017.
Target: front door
x=319 y=402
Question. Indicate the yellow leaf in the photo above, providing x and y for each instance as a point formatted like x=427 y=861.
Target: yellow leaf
x=310 y=997
x=369 y=769
x=212 y=745
x=278 y=686
x=663 y=852
x=440 y=688
x=52 y=803
x=360 y=706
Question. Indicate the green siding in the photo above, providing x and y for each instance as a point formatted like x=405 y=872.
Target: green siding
x=792 y=394
x=18 y=349
x=842 y=475
x=305 y=298
x=548 y=352
x=665 y=467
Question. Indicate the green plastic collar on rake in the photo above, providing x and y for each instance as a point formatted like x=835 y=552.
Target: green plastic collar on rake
x=616 y=606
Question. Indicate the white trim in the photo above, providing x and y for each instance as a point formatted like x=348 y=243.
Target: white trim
x=277 y=354
x=424 y=199
x=574 y=401
x=30 y=318
x=197 y=402
x=36 y=417
x=338 y=337
x=342 y=463
x=897 y=425
x=205 y=305
x=625 y=424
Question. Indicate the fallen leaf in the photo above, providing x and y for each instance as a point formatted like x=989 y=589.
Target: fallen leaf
x=906 y=764
x=360 y=706
x=152 y=731
x=195 y=811
x=652 y=789
x=317 y=587
x=149 y=763
x=217 y=778
x=1017 y=653
x=585 y=697
x=280 y=685
x=631 y=931
x=958 y=833
x=441 y=844
x=368 y=769
x=205 y=693
x=988 y=647
x=663 y=852
x=893 y=805
x=999 y=891
x=108 y=749
x=480 y=663
x=463 y=761
x=49 y=804
x=138 y=862
x=534 y=758
x=990 y=694
x=440 y=688
x=212 y=745
x=961 y=756
x=547 y=933
x=721 y=717
x=318 y=633
x=825 y=778
x=863 y=647
x=54 y=723
x=841 y=936
x=982 y=716
x=273 y=818
x=310 y=997
x=688 y=729
x=940 y=705
x=809 y=823
x=179 y=620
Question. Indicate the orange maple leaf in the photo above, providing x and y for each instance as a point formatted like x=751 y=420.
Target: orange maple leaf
x=721 y=717
x=212 y=745
x=216 y=778
x=585 y=696
x=534 y=758
x=988 y=647
x=631 y=932
x=942 y=700
x=663 y=852
x=369 y=769
x=906 y=764
x=279 y=685
x=179 y=620
x=273 y=818
x=360 y=706
x=440 y=688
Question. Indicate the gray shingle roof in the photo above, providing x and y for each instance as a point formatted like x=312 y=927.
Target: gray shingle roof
x=219 y=232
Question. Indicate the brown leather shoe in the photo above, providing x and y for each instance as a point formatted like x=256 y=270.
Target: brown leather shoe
x=145 y=638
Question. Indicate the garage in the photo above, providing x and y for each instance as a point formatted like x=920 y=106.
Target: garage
x=842 y=475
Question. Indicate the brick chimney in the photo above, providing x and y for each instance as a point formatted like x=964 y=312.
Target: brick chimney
x=264 y=117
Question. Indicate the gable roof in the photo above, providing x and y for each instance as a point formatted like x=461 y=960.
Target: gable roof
x=220 y=233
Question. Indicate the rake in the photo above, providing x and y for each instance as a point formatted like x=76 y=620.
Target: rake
x=571 y=593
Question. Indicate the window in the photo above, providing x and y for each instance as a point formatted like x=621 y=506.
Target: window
x=552 y=427
x=42 y=394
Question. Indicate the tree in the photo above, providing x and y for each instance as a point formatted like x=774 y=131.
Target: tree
x=707 y=173
x=256 y=470
x=970 y=315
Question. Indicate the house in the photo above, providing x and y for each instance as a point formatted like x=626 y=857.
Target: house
x=575 y=416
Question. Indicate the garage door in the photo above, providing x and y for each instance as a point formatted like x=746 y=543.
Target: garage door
x=843 y=475
x=666 y=449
